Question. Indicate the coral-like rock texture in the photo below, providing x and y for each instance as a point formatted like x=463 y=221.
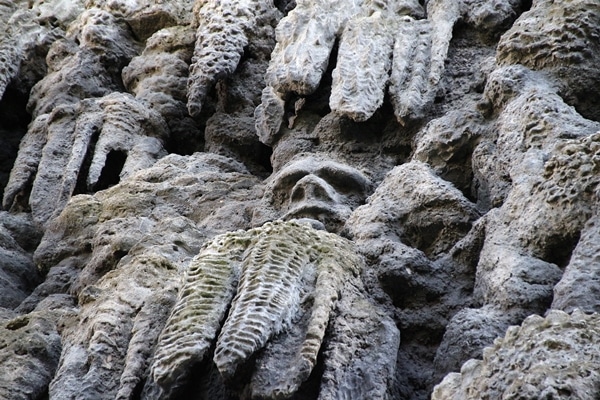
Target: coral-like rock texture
x=225 y=28
x=273 y=275
x=565 y=366
x=256 y=199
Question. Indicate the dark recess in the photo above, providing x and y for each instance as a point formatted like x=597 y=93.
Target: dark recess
x=110 y=175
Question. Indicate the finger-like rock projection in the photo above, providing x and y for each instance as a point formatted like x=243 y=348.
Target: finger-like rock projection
x=224 y=29
x=286 y=283
x=81 y=148
x=120 y=251
x=380 y=43
x=562 y=362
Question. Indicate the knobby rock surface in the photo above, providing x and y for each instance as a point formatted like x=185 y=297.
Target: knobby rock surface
x=244 y=199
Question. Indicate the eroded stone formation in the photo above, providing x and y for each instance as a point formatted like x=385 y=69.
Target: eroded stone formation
x=243 y=199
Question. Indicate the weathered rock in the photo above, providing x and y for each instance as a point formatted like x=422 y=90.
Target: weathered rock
x=81 y=148
x=561 y=40
x=224 y=30
x=306 y=103
x=399 y=205
x=315 y=187
x=123 y=259
x=87 y=63
x=553 y=357
x=158 y=78
x=30 y=347
x=527 y=243
x=18 y=275
x=579 y=287
x=446 y=144
x=279 y=273
x=410 y=54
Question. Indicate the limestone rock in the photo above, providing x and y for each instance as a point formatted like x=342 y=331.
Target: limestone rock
x=83 y=148
x=446 y=144
x=380 y=43
x=563 y=347
x=562 y=41
x=18 y=275
x=527 y=243
x=579 y=286
x=398 y=205
x=158 y=78
x=314 y=186
x=224 y=30
x=121 y=316
x=279 y=273
x=87 y=63
x=30 y=349
x=124 y=267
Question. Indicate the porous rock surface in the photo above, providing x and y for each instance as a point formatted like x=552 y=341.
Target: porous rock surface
x=563 y=362
x=302 y=199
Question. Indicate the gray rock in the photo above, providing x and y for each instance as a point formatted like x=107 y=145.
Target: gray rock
x=279 y=273
x=579 y=287
x=398 y=207
x=124 y=267
x=316 y=187
x=30 y=349
x=18 y=275
x=561 y=41
x=86 y=147
x=560 y=362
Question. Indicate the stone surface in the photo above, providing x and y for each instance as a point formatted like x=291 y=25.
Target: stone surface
x=18 y=274
x=440 y=158
x=273 y=275
x=30 y=347
x=561 y=362
x=124 y=267
x=81 y=148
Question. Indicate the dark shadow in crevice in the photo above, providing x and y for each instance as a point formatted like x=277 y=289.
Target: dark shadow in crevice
x=13 y=126
x=111 y=172
x=81 y=185
x=560 y=249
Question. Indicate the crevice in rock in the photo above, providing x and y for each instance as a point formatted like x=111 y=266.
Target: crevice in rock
x=560 y=248
x=81 y=186
x=110 y=175
x=13 y=126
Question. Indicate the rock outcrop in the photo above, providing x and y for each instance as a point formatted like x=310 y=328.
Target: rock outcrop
x=244 y=199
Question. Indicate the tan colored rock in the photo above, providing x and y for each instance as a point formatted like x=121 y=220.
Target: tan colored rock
x=279 y=273
x=121 y=252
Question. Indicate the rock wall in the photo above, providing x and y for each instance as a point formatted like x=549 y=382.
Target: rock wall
x=365 y=199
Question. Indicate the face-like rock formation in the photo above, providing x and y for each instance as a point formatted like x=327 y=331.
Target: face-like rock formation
x=316 y=188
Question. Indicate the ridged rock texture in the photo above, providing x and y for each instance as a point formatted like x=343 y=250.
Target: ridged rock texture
x=299 y=199
x=274 y=275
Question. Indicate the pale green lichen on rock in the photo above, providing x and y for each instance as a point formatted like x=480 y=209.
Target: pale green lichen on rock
x=286 y=270
x=208 y=287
